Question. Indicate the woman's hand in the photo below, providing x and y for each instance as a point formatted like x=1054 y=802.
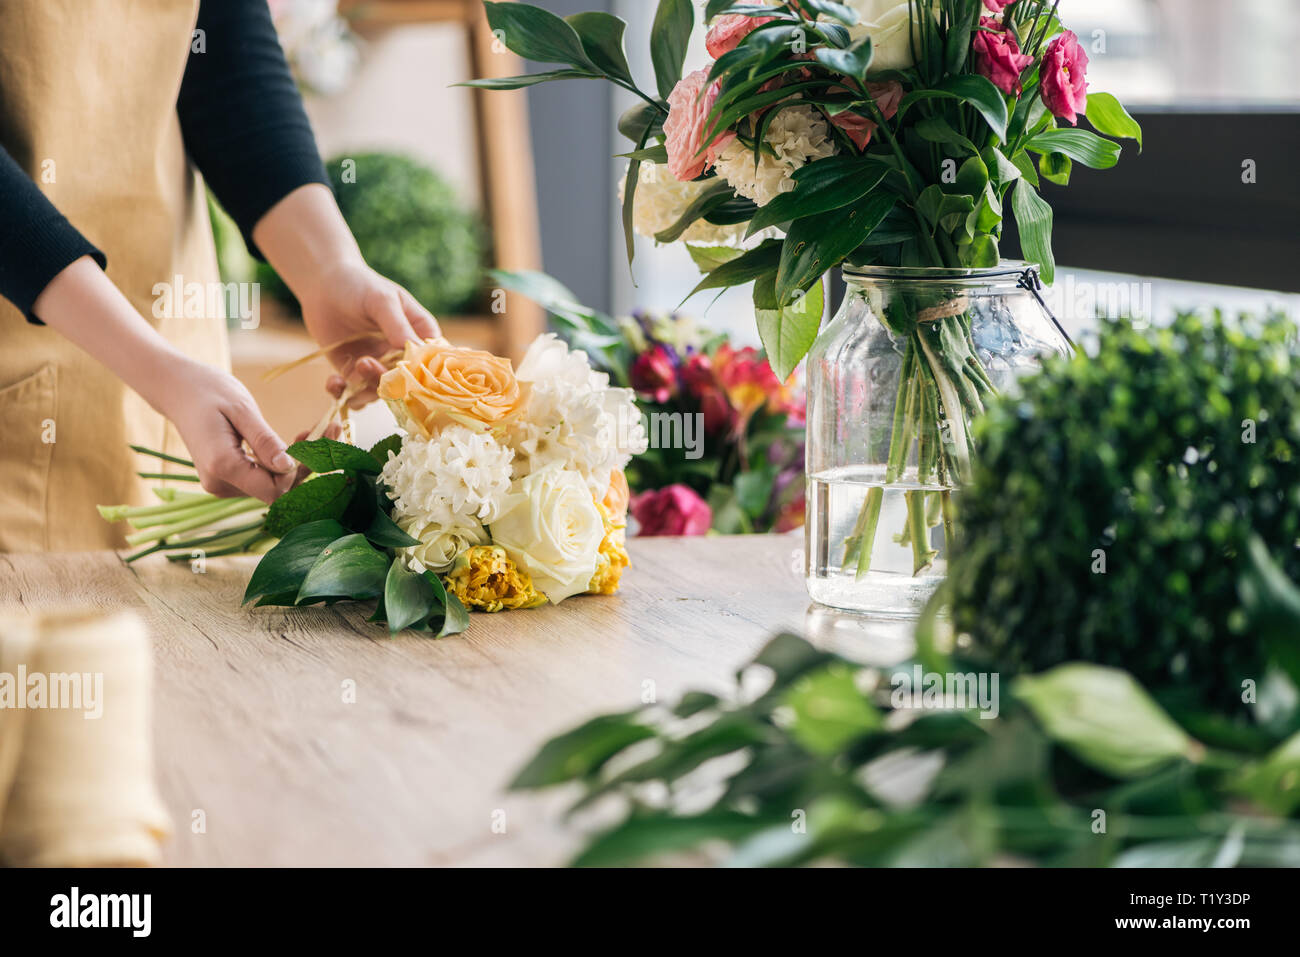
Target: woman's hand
x=213 y=412
x=305 y=238
x=351 y=299
x=216 y=416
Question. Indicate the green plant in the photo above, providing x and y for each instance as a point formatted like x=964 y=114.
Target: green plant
x=1115 y=498
x=411 y=226
x=1079 y=767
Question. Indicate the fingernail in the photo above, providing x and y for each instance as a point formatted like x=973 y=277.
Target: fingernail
x=282 y=463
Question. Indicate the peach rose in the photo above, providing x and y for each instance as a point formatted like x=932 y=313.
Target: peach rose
x=688 y=110
x=729 y=29
x=436 y=383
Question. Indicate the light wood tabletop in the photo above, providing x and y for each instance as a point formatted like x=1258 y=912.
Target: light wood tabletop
x=254 y=727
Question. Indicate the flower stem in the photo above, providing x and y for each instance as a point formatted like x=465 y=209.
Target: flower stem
x=204 y=515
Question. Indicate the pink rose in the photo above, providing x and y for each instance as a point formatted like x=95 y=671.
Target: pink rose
x=654 y=375
x=859 y=128
x=1064 y=78
x=675 y=510
x=997 y=6
x=998 y=56
x=688 y=110
x=729 y=29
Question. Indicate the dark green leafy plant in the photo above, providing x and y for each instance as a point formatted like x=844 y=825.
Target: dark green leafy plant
x=1114 y=501
x=411 y=226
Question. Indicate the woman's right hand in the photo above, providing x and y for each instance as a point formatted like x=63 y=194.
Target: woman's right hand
x=216 y=416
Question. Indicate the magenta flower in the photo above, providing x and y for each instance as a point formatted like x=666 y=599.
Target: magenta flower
x=675 y=510
x=654 y=374
x=1064 y=78
x=998 y=56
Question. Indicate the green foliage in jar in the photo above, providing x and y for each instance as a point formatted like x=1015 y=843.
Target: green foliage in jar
x=1114 y=501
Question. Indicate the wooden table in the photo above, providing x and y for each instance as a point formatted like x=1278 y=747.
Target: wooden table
x=253 y=729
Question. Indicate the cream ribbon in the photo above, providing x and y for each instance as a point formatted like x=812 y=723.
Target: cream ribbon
x=76 y=790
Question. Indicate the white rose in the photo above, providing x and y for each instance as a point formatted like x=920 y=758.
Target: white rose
x=888 y=23
x=550 y=527
x=439 y=545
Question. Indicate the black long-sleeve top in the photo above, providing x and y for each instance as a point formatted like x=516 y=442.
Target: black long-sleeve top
x=244 y=128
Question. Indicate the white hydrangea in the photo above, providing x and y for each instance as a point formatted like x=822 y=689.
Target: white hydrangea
x=661 y=199
x=451 y=481
x=797 y=135
x=573 y=418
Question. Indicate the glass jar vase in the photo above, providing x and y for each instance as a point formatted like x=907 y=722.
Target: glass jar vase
x=894 y=382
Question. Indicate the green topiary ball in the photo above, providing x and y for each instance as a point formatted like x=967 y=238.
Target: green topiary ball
x=1110 y=511
x=412 y=227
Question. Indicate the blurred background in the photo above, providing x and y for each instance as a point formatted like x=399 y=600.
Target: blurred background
x=447 y=182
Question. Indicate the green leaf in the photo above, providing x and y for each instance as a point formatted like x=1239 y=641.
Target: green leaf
x=1105 y=718
x=640 y=837
x=817 y=244
x=641 y=121
x=935 y=129
x=830 y=711
x=1056 y=168
x=629 y=202
x=789 y=657
x=854 y=62
x=1087 y=148
x=328 y=455
x=669 y=37
x=830 y=8
x=408 y=597
x=709 y=258
x=527 y=80
x=537 y=34
x=820 y=187
x=788 y=332
x=349 y=567
x=386 y=533
x=601 y=35
x=582 y=751
x=651 y=154
x=1034 y=220
x=282 y=569
x=455 y=618
x=391 y=443
x=1107 y=115
x=715 y=194
x=745 y=268
x=1274 y=783
x=970 y=88
x=324 y=497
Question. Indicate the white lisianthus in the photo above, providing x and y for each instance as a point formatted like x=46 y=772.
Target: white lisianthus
x=574 y=418
x=550 y=526
x=452 y=480
x=439 y=544
x=660 y=202
x=889 y=24
x=797 y=135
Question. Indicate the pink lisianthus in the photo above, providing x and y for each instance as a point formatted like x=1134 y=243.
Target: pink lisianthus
x=1064 y=78
x=674 y=510
x=859 y=128
x=654 y=375
x=729 y=29
x=997 y=6
x=688 y=110
x=998 y=56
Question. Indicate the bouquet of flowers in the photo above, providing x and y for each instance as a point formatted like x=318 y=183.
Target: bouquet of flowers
x=726 y=436
x=863 y=133
x=506 y=490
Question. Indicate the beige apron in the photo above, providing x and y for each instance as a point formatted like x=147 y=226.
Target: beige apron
x=88 y=108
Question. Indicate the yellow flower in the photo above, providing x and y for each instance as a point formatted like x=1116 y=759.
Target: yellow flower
x=613 y=557
x=436 y=383
x=485 y=579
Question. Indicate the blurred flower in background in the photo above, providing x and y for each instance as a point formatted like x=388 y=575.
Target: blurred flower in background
x=322 y=50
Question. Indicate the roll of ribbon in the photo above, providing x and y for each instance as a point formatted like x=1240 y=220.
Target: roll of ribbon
x=76 y=759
